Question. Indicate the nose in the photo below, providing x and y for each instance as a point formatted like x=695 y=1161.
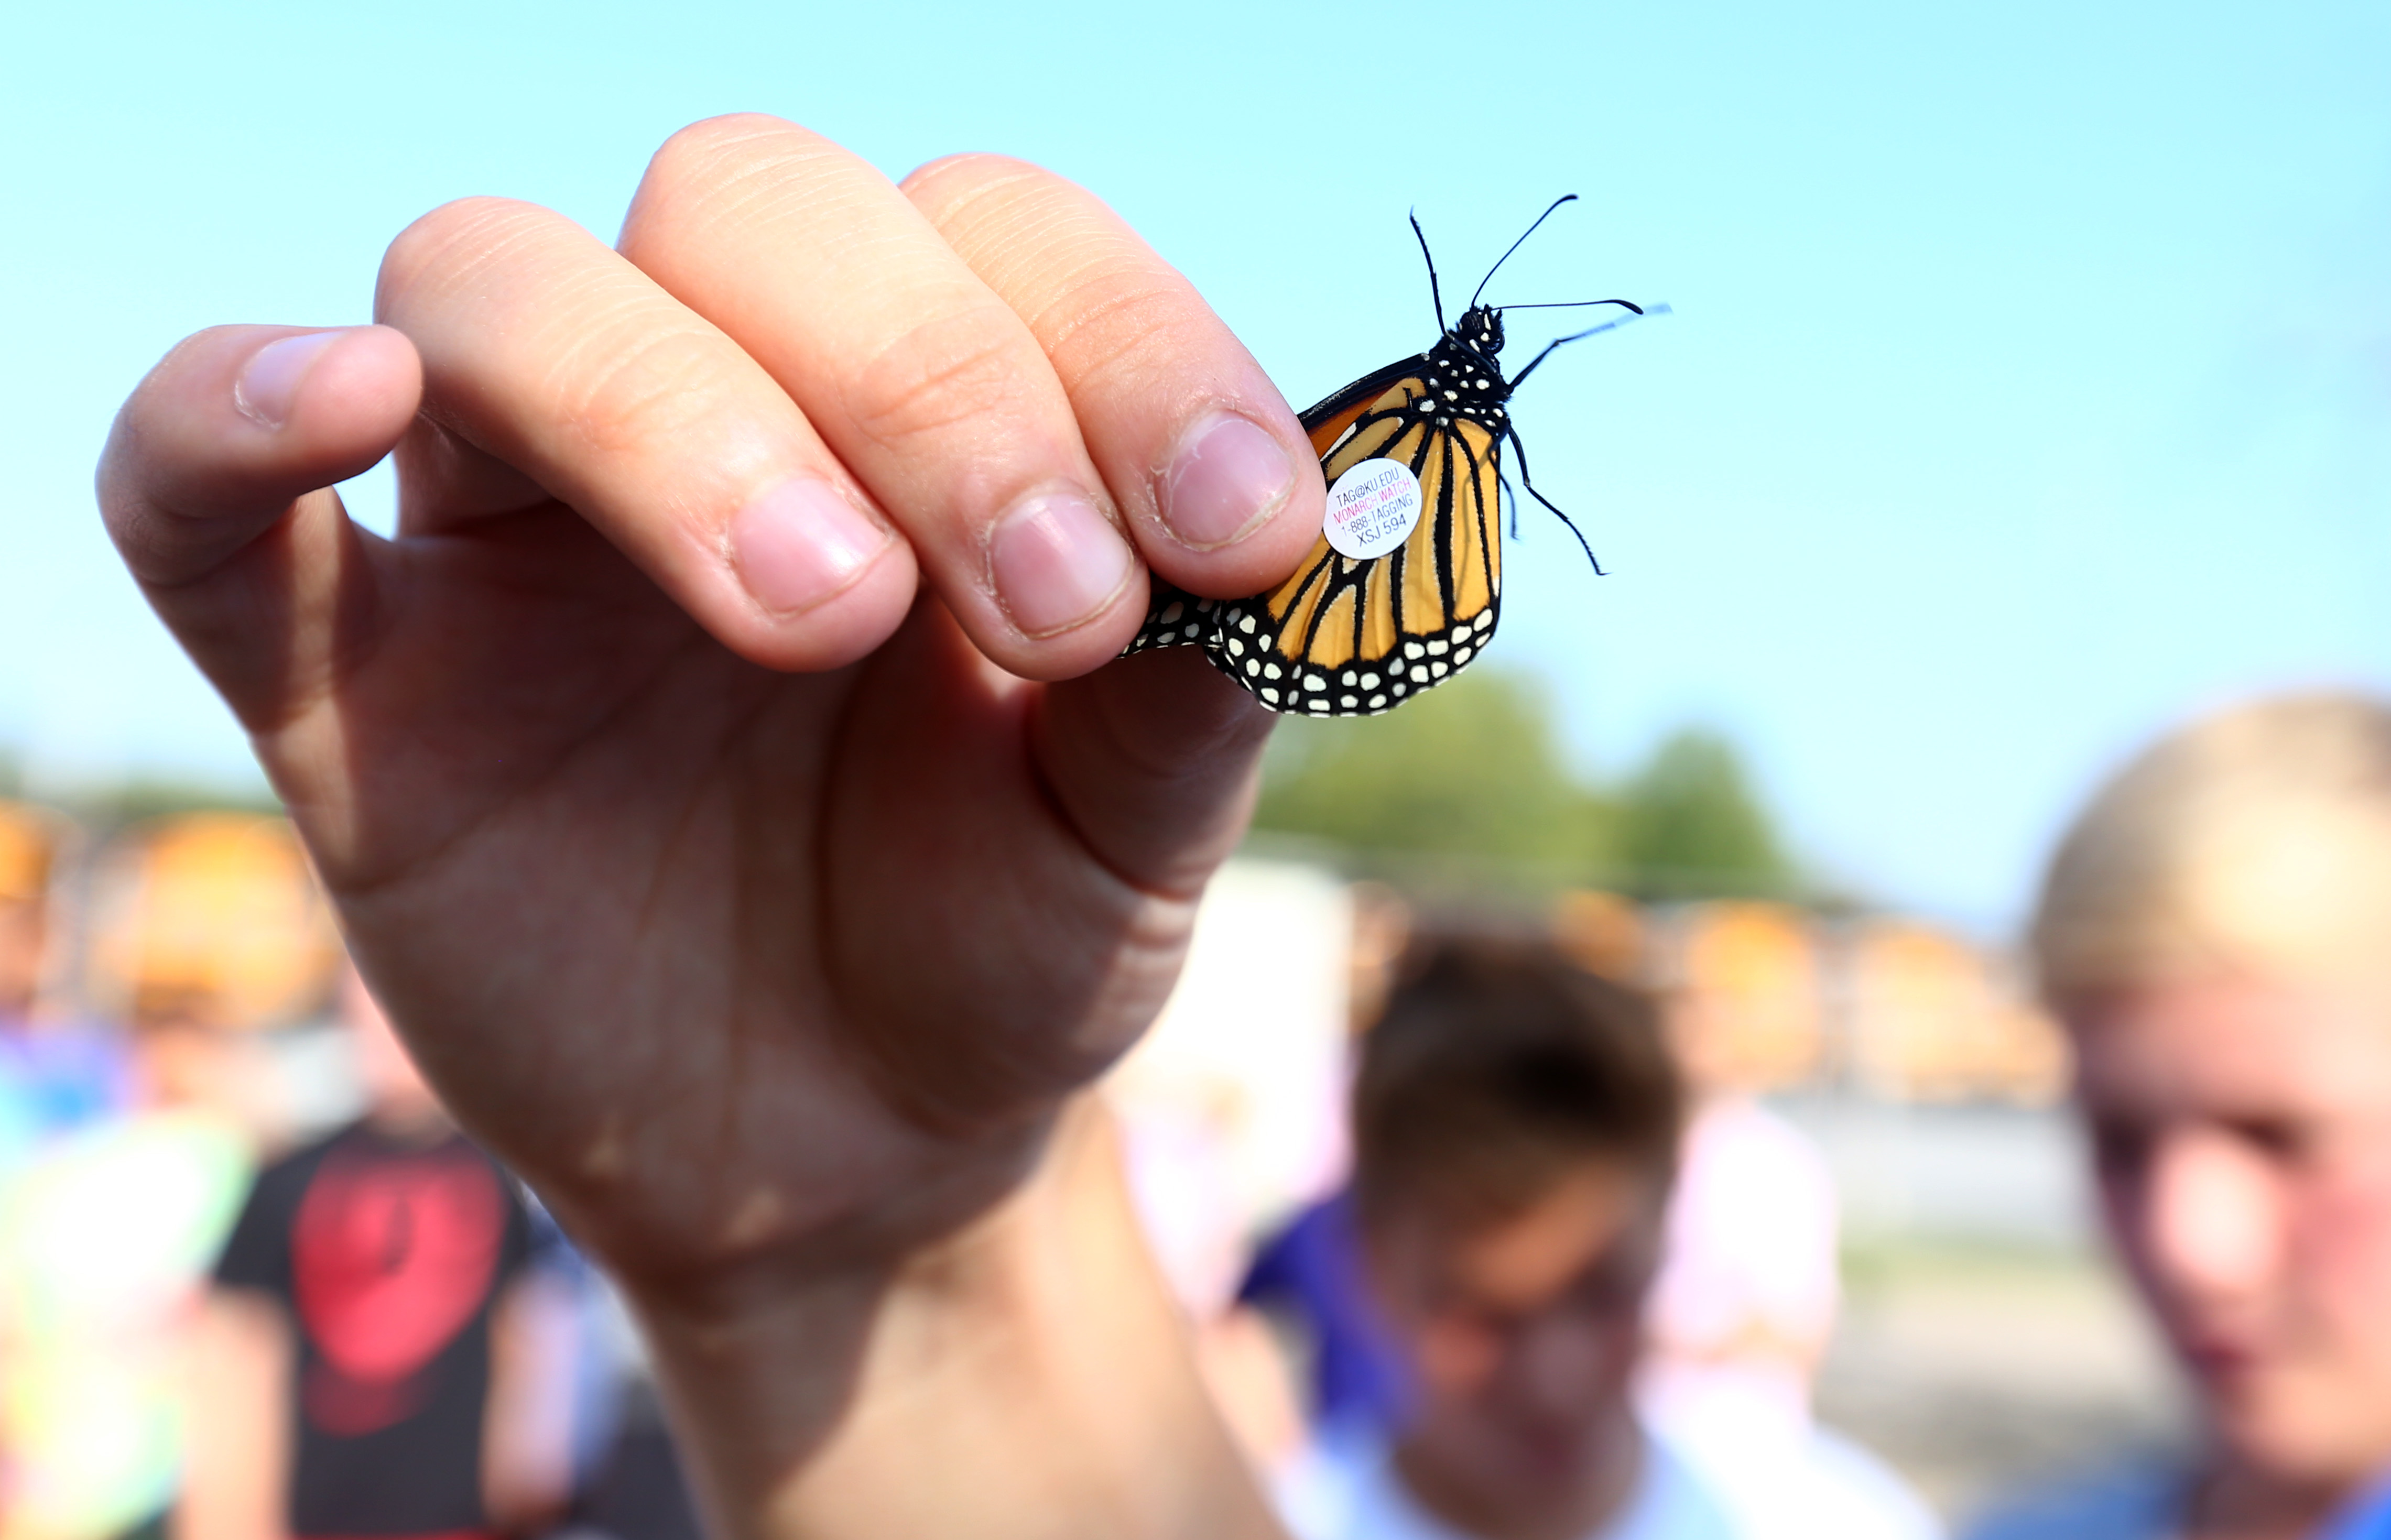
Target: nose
x=2210 y=1230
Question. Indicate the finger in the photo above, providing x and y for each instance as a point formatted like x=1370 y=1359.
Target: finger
x=211 y=486
x=1154 y=763
x=1214 y=474
x=1062 y=918
x=927 y=385
x=545 y=353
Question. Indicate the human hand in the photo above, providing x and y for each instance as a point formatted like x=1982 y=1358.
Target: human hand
x=678 y=770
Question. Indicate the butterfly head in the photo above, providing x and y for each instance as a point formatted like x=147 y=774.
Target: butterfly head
x=1481 y=330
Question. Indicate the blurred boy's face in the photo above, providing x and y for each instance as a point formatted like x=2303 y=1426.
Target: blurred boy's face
x=2242 y=1132
x=1522 y=1334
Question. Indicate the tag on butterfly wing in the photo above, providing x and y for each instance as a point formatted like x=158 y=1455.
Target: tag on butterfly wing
x=1371 y=509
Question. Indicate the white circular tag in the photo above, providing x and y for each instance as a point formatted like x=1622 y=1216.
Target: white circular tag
x=1372 y=508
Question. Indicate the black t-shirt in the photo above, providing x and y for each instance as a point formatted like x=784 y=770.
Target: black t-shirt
x=388 y=1257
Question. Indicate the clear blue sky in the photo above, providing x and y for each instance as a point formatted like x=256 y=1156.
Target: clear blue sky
x=2030 y=381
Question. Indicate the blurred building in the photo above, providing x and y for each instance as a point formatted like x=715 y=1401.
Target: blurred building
x=30 y=840
x=1934 y=1017
x=216 y=914
x=1889 y=1007
x=219 y=913
x=1754 y=972
x=1604 y=934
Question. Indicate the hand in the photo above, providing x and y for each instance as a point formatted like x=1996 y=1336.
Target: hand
x=678 y=770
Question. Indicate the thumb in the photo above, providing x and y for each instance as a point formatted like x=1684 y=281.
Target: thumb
x=214 y=486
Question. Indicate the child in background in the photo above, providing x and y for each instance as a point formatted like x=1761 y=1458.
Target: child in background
x=1744 y=1307
x=2215 y=933
x=1515 y=1132
x=375 y=1357
x=54 y=1076
x=105 y=1238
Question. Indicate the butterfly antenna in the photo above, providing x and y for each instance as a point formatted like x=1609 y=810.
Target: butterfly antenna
x=1520 y=377
x=1433 y=291
x=1575 y=305
x=1566 y=198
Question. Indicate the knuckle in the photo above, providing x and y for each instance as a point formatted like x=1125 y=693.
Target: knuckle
x=711 y=138
x=452 y=238
x=937 y=375
x=1101 y=303
x=1108 y=324
x=722 y=175
x=627 y=389
x=722 y=152
x=950 y=178
x=158 y=438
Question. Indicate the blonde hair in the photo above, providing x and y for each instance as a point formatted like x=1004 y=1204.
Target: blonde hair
x=2257 y=838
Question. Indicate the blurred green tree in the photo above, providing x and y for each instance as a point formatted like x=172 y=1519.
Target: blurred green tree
x=1691 y=826
x=104 y=805
x=1474 y=775
x=1471 y=770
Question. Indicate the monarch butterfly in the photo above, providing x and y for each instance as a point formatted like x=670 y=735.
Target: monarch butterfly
x=1354 y=635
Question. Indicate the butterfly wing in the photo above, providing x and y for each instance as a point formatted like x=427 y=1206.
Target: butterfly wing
x=1328 y=420
x=1343 y=637
x=1175 y=617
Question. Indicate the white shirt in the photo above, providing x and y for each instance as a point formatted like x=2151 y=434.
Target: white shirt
x=1347 y=1488
x=1753 y=1236
x=1752 y=1245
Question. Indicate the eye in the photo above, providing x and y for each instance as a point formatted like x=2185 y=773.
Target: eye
x=2120 y=1151
x=2278 y=1138
x=1616 y=1286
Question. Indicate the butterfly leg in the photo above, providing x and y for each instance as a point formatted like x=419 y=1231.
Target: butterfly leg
x=1521 y=450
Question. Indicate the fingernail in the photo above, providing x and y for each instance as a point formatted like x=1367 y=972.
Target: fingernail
x=801 y=543
x=268 y=383
x=1054 y=560
x=1229 y=475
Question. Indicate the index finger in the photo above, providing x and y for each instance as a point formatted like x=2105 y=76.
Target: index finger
x=927 y=387
x=1206 y=461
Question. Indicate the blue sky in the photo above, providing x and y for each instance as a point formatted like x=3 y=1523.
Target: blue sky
x=2029 y=383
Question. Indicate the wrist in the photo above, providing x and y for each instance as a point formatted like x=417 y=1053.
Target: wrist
x=1028 y=1372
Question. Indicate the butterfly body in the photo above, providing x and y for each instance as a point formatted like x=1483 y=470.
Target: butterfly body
x=1350 y=636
